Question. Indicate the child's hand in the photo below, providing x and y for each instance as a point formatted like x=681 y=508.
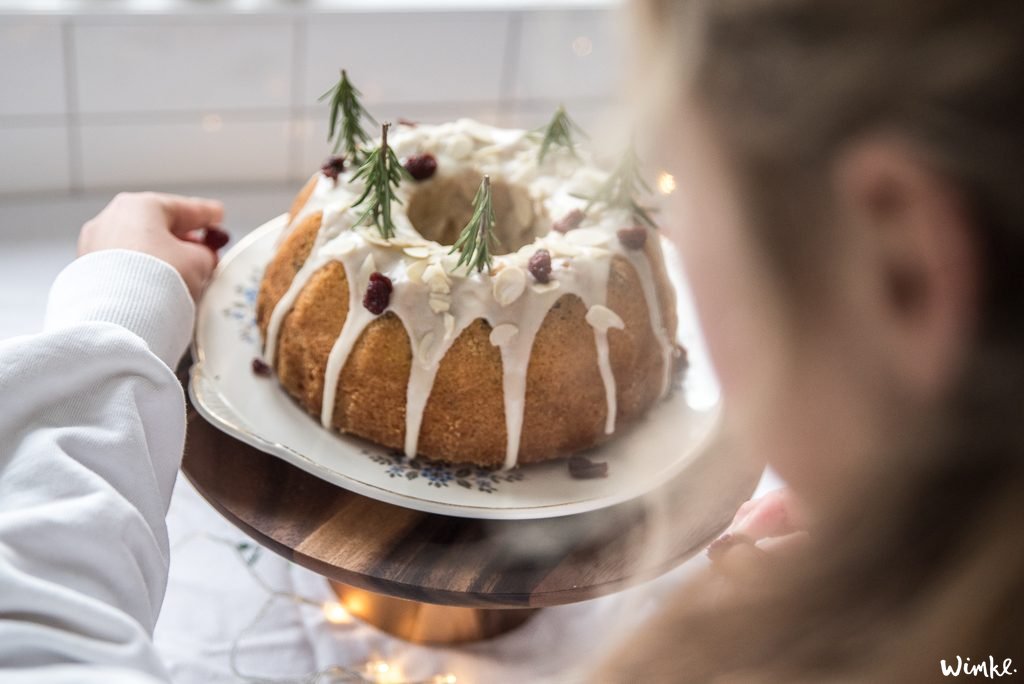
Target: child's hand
x=179 y=230
x=774 y=520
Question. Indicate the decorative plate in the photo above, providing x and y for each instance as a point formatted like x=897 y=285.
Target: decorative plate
x=257 y=411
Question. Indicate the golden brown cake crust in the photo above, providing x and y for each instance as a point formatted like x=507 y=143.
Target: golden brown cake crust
x=303 y=196
x=464 y=420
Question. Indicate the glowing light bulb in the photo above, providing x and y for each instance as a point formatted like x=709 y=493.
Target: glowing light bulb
x=582 y=46
x=383 y=672
x=666 y=183
x=335 y=613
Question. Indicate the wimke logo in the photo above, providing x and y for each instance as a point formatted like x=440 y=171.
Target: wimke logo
x=989 y=668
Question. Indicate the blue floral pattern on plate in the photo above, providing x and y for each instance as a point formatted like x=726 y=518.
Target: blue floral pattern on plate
x=442 y=474
x=242 y=309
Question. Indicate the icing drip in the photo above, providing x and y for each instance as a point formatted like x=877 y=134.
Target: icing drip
x=355 y=323
x=421 y=382
x=330 y=226
x=605 y=366
x=601 y=318
x=643 y=269
x=436 y=302
x=515 y=361
x=284 y=306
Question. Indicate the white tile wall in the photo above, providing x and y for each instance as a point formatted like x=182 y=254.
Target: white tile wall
x=313 y=129
x=213 y=97
x=596 y=117
x=439 y=57
x=34 y=159
x=31 y=67
x=567 y=55
x=45 y=233
x=175 y=64
x=146 y=155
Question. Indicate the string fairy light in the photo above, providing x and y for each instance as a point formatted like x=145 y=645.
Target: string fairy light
x=666 y=183
x=336 y=614
x=375 y=671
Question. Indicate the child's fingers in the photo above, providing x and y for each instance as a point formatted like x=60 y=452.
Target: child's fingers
x=773 y=515
x=195 y=263
x=784 y=542
x=737 y=555
x=185 y=214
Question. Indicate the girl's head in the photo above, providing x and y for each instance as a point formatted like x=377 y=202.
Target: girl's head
x=851 y=217
x=850 y=214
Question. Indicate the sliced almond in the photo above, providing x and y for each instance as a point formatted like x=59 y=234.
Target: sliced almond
x=436 y=278
x=374 y=238
x=417 y=252
x=541 y=288
x=414 y=271
x=588 y=237
x=561 y=248
x=338 y=247
x=509 y=285
x=369 y=265
x=450 y=264
x=501 y=334
x=439 y=303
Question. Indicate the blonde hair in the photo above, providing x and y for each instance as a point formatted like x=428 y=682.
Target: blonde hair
x=933 y=565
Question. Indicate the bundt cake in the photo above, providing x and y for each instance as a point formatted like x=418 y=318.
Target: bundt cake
x=567 y=337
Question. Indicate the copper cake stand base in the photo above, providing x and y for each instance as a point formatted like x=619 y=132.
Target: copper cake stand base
x=427 y=623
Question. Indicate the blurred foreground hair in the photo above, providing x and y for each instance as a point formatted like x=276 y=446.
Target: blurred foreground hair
x=931 y=565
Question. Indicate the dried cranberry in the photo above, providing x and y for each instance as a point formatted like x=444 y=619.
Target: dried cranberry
x=333 y=167
x=215 y=238
x=634 y=237
x=568 y=222
x=421 y=166
x=260 y=368
x=378 y=294
x=540 y=265
x=582 y=468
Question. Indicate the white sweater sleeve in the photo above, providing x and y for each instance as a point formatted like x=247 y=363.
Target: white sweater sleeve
x=92 y=427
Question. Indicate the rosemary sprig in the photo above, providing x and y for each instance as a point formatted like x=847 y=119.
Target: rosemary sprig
x=621 y=189
x=559 y=132
x=477 y=238
x=382 y=173
x=345 y=102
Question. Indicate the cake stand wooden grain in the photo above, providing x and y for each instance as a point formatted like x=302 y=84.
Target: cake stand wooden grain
x=437 y=579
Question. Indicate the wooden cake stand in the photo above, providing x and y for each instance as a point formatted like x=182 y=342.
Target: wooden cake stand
x=436 y=579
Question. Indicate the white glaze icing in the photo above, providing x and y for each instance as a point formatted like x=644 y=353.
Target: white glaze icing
x=436 y=301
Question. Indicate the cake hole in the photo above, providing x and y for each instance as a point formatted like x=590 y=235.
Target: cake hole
x=440 y=208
